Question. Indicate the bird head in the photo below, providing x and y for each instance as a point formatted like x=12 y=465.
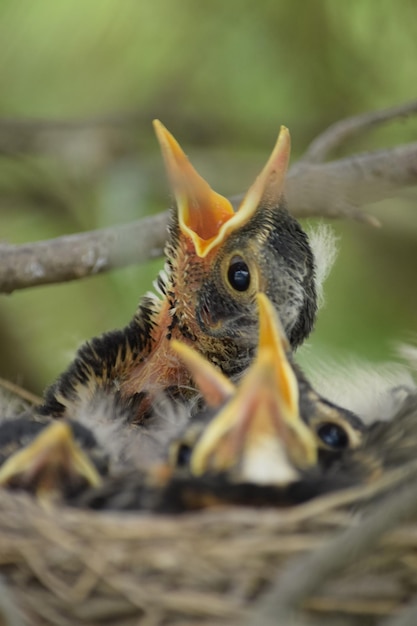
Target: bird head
x=264 y=430
x=52 y=460
x=220 y=258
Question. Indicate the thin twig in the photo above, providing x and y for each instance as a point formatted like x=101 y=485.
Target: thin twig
x=334 y=136
x=17 y=390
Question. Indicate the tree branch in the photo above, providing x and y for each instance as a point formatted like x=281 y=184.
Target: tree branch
x=335 y=189
x=84 y=254
x=338 y=133
x=339 y=188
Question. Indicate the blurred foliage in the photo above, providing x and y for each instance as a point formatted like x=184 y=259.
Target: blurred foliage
x=222 y=76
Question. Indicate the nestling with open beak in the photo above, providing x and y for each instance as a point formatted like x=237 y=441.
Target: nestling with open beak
x=54 y=460
x=271 y=427
x=217 y=260
x=238 y=441
x=269 y=441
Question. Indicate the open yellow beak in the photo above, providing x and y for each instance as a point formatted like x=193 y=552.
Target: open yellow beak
x=45 y=465
x=206 y=217
x=259 y=436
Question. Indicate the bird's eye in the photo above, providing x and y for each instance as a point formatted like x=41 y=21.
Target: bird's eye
x=238 y=274
x=333 y=435
x=183 y=455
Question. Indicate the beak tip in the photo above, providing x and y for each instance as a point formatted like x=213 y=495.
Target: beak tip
x=284 y=143
x=160 y=131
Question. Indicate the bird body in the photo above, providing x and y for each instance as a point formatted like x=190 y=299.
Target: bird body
x=385 y=446
x=217 y=260
x=57 y=460
x=269 y=440
x=260 y=442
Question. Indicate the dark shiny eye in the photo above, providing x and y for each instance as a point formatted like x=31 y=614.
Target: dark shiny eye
x=333 y=435
x=238 y=274
x=183 y=455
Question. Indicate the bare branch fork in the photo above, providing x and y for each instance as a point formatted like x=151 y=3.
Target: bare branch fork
x=337 y=188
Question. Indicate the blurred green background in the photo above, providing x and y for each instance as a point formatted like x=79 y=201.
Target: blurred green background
x=222 y=76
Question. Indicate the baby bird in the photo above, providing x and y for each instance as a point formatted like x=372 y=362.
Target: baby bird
x=255 y=436
x=217 y=260
x=54 y=460
x=267 y=441
x=273 y=425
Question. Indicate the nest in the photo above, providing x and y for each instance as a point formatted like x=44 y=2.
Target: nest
x=345 y=558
